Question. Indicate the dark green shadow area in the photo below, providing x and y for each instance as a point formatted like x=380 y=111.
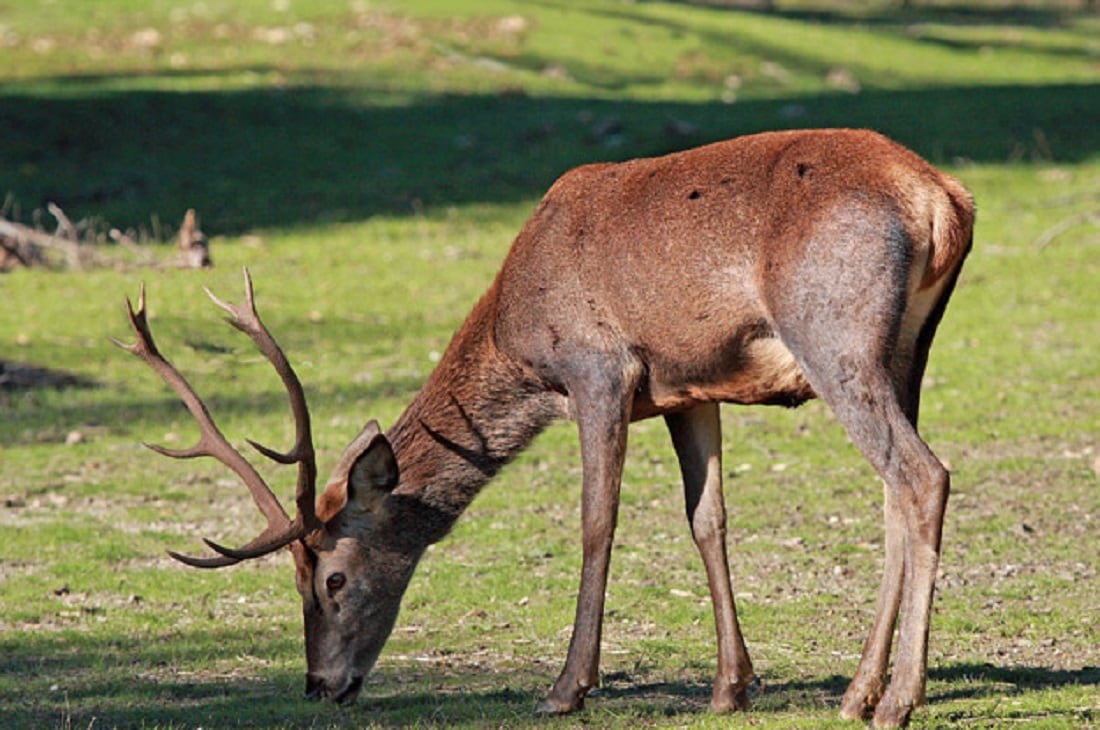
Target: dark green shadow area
x=299 y=156
x=35 y=400
x=984 y=679
x=129 y=682
x=20 y=376
x=135 y=682
x=896 y=15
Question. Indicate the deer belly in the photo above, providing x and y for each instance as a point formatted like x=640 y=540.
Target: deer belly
x=762 y=372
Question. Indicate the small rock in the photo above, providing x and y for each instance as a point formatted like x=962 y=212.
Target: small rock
x=73 y=438
x=513 y=25
x=557 y=72
x=146 y=38
x=843 y=79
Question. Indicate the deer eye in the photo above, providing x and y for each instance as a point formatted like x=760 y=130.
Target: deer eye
x=335 y=582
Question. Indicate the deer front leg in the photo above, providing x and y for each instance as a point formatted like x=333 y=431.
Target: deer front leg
x=602 y=409
x=697 y=437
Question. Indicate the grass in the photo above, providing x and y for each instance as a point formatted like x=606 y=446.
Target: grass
x=370 y=163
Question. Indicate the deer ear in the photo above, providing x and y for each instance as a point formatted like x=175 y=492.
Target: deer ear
x=373 y=470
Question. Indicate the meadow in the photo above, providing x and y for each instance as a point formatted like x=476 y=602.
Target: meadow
x=370 y=163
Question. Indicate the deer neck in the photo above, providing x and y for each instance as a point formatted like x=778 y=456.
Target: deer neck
x=477 y=410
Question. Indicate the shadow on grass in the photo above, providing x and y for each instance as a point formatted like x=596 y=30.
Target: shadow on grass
x=295 y=156
x=901 y=14
x=963 y=681
x=19 y=376
x=980 y=680
x=39 y=422
x=765 y=695
x=41 y=404
x=75 y=680
x=72 y=679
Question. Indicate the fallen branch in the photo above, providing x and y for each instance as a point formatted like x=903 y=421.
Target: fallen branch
x=26 y=244
x=72 y=245
x=12 y=254
x=65 y=227
x=194 y=249
x=128 y=243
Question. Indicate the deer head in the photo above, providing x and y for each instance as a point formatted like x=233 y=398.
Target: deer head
x=350 y=576
x=350 y=572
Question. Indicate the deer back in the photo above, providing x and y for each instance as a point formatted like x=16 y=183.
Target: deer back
x=678 y=260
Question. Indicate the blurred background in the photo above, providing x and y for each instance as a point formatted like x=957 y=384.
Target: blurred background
x=274 y=113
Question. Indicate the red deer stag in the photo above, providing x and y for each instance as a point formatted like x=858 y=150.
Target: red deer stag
x=768 y=269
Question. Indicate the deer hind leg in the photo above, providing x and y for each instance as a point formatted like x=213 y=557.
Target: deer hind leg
x=909 y=359
x=869 y=683
x=601 y=398
x=916 y=487
x=864 y=397
x=697 y=438
x=853 y=336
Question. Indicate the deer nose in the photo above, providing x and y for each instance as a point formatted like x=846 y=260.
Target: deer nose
x=315 y=687
x=349 y=692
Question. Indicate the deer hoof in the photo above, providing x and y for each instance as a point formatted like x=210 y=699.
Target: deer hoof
x=860 y=700
x=856 y=709
x=729 y=698
x=553 y=706
x=891 y=712
x=566 y=696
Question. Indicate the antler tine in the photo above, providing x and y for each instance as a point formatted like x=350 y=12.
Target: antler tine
x=218 y=562
x=245 y=318
x=262 y=545
x=280 y=529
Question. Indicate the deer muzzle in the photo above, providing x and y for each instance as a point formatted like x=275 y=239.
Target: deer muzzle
x=318 y=689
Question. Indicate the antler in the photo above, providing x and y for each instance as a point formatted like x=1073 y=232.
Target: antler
x=281 y=530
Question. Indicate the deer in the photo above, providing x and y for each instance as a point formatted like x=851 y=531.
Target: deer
x=767 y=269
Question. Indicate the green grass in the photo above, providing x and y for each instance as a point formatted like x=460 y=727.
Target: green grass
x=370 y=163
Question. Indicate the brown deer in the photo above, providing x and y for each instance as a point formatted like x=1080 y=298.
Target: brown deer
x=767 y=269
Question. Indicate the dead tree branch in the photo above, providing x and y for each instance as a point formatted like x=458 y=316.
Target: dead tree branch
x=74 y=246
x=29 y=245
